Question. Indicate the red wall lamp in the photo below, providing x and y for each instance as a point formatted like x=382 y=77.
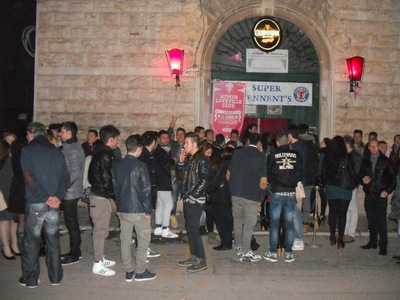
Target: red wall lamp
x=355 y=67
x=175 y=58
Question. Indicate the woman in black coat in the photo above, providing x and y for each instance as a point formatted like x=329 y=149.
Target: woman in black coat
x=219 y=198
x=340 y=180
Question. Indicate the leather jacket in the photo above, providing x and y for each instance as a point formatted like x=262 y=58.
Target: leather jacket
x=343 y=176
x=195 y=178
x=383 y=177
x=100 y=177
x=132 y=186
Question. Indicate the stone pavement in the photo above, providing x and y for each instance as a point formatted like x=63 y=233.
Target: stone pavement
x=321 y=273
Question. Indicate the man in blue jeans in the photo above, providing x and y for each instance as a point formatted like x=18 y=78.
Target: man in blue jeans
x=284 y=173
x=46 y=177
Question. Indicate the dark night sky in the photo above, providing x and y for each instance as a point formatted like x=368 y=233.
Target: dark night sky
x=16 y=66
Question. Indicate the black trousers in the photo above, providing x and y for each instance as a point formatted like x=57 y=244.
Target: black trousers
x=210 y=218
x=70 y=208
x=337 y=216
x=224 y=222
x=192 y=214
x=376 y=208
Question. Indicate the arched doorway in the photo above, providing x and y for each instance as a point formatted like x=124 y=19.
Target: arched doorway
x=204 y=59
x=229 y=63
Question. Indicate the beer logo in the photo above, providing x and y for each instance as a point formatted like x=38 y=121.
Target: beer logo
x=267 y=34
x=301 y=94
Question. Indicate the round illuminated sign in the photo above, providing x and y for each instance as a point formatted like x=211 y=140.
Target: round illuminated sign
x=267 y=34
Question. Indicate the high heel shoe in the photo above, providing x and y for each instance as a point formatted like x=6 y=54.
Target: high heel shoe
x=7 y=257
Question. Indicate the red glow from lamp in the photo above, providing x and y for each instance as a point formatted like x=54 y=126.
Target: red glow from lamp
x=355 y=67
x=175 y=59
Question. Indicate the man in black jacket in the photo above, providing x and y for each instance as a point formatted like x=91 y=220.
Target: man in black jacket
x=195 y=168
x=45 y=175
x=102 y=195
x=285 y=171
x=132 y=189
x=247 y=176
x=378 y=180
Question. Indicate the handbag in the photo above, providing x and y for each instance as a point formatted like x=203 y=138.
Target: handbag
x=3 y=203
x=300 y=194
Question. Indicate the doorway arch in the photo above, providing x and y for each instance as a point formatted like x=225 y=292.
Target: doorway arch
x=217 y=29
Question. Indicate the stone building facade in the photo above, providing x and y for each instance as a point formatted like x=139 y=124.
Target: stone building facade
x=103 y=61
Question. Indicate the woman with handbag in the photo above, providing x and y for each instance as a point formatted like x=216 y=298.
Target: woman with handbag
x=340 y=179
x=8 y=226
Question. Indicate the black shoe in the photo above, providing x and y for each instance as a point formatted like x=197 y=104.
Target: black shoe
x=42 y=252
x=145 y=276
x=201 y=266
x=369 y=246
x=12 y=257
x=69 y=260
x=188 y=262
x=129 y=276
x=396 y=257
x=332 y=239
x=222 y=248
x=383 y=252
x=23 y=283
x=340 y=244
x=253 y=244
x=55 y=283
x=16 y=253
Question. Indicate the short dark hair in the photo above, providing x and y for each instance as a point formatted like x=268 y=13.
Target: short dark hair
x=55 y=126
x=93 y=131
x=194 y=137
x=382 y=143
x=72 y=127
x=197 y=129
x=133 y=142
x=374 y=133
x=149 y=137
x=220 y=139
x=181 y=129
x=253 y=138
x=107 y=132
x=234 y=131
x=36 y=129
x=161 y=132
x=358 y=131
x=209 y=130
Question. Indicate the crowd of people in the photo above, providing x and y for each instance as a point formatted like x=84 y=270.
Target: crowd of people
x=236 y=182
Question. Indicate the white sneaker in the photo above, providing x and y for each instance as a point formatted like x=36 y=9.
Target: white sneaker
x=152 y=253
x=168 y=234
x=250 y=257
x=107 y=263
x=298 y=245
x=158 y=231
x=100 y=269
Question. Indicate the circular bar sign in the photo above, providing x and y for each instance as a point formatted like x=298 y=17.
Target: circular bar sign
x=267 y=34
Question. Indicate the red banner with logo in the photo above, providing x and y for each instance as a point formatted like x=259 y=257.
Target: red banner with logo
x=228 y=106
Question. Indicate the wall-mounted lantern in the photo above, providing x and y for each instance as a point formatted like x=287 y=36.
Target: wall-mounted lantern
x=175 y=61
x=355 y=67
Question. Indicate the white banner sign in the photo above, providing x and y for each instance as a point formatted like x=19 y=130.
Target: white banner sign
x=258 y=61
x=278 y=93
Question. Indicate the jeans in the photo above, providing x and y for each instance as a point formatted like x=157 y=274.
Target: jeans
x=192 y=214
x=376 y=209
x=245 y=214
x=164 y=207
x=40 y=216
x=282 y=206
x=70 y=208
x=337 y=216
x=298 y=224
x=142 y=226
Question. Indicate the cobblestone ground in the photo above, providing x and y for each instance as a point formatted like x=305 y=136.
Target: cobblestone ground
x=322 y=273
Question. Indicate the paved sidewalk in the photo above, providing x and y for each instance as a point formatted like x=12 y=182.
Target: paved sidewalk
x=322 y=273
